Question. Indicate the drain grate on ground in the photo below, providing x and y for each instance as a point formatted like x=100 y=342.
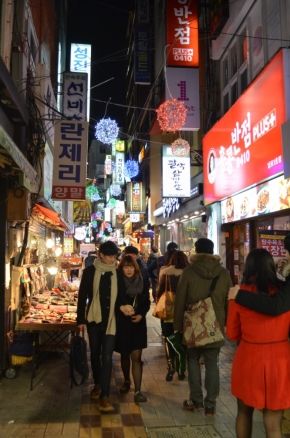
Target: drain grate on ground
x=204 y=431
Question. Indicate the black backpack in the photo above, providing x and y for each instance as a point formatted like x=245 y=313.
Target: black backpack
x=79 y=369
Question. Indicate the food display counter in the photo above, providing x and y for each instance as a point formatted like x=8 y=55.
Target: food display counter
x=50 y=315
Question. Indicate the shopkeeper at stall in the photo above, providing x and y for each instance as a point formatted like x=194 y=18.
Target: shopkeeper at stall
x=96 y=309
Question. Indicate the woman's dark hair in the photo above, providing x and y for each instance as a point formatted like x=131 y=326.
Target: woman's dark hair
x=260 y=270
x=128 y=260
x=178 y=259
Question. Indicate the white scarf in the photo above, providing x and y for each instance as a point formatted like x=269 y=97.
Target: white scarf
x=94 y=313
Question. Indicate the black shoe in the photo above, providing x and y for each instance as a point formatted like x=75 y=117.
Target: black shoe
x=190 y=405
x=209 y=411
x=181 y=376
x=169 y=375
x=125 y=387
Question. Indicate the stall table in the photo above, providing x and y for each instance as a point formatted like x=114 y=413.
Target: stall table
x=56 y=337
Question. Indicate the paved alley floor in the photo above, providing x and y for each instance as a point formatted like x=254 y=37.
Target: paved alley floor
x=54 y=409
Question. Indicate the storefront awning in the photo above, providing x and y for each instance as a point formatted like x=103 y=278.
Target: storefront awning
x=49 y=216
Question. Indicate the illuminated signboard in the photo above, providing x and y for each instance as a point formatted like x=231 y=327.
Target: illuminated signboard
x=175 y=174
x=245 y=146
x=70 y=160
x=75 y=95
x=182 y=33
x=118 y=176
x=80 y=62
x=265 y=198
x=183 y=85
x=136 y=202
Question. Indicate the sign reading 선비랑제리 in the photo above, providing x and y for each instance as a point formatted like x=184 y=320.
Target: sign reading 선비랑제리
x=245 y=146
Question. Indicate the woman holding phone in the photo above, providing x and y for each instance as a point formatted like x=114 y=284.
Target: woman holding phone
x=131 y=335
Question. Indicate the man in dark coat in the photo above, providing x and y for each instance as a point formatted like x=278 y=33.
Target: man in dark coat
x=96 y=309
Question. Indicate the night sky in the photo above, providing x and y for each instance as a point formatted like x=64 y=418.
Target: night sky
x=104 y=25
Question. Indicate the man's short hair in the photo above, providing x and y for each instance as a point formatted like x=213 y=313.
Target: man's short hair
x=131 y=249
x=109 y=248
x=172 y=246
x=204 y=245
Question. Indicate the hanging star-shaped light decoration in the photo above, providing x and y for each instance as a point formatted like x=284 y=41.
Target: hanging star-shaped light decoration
x=180 y=147
x=171 y=115
x=115 y=190
x=131 y=168
x=106 y=130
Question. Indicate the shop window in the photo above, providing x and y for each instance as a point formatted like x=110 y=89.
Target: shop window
x=226 y=103
x=244 y=80
x=234 y=92
x=243 y=48
x=225 y=72
x=234 y=61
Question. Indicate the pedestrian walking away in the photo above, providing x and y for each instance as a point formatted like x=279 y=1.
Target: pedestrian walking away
x=194 y=285
x=169 y=276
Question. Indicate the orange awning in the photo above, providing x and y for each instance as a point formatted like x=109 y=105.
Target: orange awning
x=49 y=216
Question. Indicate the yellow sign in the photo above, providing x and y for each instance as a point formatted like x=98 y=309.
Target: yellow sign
x=120 y=146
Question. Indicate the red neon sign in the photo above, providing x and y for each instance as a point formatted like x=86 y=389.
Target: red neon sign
x=182 y=33
x=245 y=146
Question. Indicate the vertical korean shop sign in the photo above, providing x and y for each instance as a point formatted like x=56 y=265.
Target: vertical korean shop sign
x=136 y=202
x=70 y=160
x=245 y=146
x=182 y=33
x=175 y=174
x=80 y=62
x=75 y=95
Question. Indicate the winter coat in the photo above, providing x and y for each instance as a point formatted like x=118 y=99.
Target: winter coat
x=194 y=285
x=131 y=336
x=173 y=274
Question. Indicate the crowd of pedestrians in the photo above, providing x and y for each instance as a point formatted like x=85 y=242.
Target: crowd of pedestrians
x=114 y=298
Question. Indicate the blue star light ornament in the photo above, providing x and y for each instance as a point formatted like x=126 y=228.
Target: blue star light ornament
x=131 y=168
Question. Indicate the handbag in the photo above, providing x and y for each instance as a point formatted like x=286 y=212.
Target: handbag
x=79 y=369
x=200 y=325
x=164 y=308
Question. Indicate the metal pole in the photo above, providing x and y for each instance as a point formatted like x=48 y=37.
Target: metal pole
x=3 y=245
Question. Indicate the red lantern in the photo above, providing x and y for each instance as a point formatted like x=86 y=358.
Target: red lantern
x=180 y=147
x=171 y=115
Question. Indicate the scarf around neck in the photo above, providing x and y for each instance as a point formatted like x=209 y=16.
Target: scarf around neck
x=95 y=313
x=133 y=286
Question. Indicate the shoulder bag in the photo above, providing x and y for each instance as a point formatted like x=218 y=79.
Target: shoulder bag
x=200 y=325
x=164 y=308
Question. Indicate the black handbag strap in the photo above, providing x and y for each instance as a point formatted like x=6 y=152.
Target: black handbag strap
x=213 y=285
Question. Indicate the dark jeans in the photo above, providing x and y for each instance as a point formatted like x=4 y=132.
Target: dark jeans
x=102 y=347
x=211 y=383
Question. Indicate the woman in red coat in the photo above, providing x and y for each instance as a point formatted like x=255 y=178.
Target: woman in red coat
x=261 y=366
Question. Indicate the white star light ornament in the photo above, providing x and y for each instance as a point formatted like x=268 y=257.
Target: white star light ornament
x=106 y=131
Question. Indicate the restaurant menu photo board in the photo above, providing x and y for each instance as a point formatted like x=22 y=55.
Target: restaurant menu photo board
x=245 y=146
x=265 y=198
x=273 y=242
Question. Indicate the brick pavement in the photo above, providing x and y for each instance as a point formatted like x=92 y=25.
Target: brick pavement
x=53 y=409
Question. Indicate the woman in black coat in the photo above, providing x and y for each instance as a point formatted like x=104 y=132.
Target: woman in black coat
x=131 y=335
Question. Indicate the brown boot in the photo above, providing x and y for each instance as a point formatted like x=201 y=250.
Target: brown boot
x=95 y=392
x=105 y=405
